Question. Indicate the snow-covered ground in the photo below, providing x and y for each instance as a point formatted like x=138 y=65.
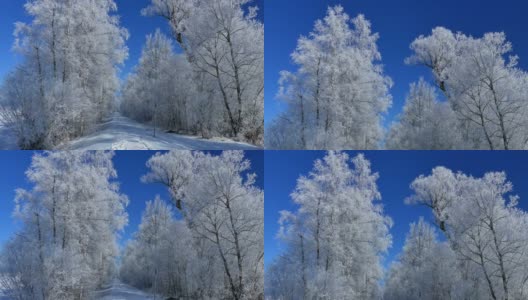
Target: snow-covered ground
x=120 y=291
x=122 y=133
x=115 y=291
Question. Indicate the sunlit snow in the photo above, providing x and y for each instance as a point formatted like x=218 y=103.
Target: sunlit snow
x=122 y=133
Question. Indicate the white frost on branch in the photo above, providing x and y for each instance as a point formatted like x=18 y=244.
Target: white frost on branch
x=336 y=238
x=338 y=95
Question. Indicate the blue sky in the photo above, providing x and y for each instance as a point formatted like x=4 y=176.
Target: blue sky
x=130 y=166
x=397 y=169
x=129 y=11
x=398 y=23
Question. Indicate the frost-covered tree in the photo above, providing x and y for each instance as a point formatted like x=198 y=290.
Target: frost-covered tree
x=224 y=42
x=484 y=227
x=337 y=96
x=336 y=238
x=160 y=90
x=483 y=84
x=426 y=268
x=161 y=257
x=425 y=123
x=437 y=192
x=224 y=210
x=67 y=244
x=67 y=79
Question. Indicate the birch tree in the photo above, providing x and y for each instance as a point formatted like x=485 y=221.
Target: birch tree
x=224 y=42
x=337 y=96
x=223 y=210
x=336 y=238
x=67 y=245
x=483 y=83
x=160 y=90
x=425 y=123
x=67 y=80
x=426 y=268
x=161 y=258
x=487 y=231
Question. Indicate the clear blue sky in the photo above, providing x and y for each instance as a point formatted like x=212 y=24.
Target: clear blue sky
x=397 y=169
x=129 y=11
x=398 y=23
x=130 y=166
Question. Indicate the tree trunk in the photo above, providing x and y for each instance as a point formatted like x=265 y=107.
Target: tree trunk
x=53 y=212
x=303 y=134
x=40 y=74
x=226 y=102
x=317 y=232
x=488 y=138
x=501 y=261
x=234 y=291
x=237 y=248
x=41 y=253
x=237 y=80
x=53 y=44
x=303 y=265
x=500 y=116
x=486 y=275
x=317 y=91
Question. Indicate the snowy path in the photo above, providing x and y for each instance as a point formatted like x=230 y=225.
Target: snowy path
x=116 y=291
x=122 y=133
x=121 y=291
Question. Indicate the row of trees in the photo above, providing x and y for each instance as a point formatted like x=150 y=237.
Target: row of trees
x=484 y=256
x=207 y=244
x=217 y=85
x=161 y=89
x=215 y=249
x=338 y=95
x=161 y=257
x=67 y=80
x=66 y=246
x=336 y=239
